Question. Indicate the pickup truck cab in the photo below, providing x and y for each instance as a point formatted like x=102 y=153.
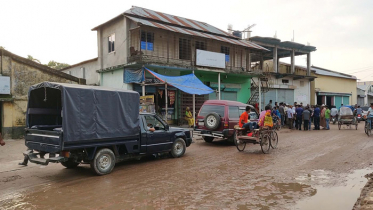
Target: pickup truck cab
x=77 y=124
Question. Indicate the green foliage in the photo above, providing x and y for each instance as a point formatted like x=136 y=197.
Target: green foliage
x=33 y=59
x=56 y=65
x=51 y=64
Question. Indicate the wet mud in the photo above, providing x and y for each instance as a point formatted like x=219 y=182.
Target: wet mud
x=307 y=171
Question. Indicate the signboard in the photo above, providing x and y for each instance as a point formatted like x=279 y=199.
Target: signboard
x=4 y=85
x=210 y=59
x=147 y=99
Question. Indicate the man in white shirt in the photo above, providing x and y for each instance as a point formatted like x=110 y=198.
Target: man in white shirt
x=290 y=117
x=370 y=114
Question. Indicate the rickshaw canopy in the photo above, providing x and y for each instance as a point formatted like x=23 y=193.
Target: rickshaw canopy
x=343 y=111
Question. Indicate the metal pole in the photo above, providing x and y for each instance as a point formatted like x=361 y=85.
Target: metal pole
x=165 y=91
x=219 y=86
x=260 y=95
x=194 y=108
x=143 y=88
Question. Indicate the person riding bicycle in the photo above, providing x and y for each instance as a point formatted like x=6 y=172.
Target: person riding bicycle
x=370 y=114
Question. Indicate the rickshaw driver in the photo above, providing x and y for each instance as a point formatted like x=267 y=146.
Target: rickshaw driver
x=244 y=120
x=370 y=114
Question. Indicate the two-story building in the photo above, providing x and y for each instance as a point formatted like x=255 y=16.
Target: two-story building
x=173 y=46
x=286 y=82
x=367 y=87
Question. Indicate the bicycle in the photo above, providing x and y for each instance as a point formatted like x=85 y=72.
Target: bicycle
x=368 y=126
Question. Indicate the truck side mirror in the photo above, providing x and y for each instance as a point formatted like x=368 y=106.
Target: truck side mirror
x=167 y=127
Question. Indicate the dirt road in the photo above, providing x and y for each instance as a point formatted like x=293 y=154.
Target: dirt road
x=309 y=170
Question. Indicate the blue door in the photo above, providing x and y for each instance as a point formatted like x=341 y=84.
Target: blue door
x=338 y=101
x=346 y=100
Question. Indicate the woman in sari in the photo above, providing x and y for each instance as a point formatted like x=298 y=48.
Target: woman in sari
x=322 y=118
x=189 y=117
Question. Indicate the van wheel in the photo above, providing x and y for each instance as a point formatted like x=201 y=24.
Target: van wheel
x=178 y=148
x=70 y=164
x=208 y=139
x=103 y=162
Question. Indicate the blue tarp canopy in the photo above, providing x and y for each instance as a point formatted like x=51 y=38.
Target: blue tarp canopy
x=187 y=83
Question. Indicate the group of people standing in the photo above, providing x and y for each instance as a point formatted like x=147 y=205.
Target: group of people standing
x=296 y=115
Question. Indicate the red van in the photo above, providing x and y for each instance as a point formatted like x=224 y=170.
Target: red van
x=217 y=118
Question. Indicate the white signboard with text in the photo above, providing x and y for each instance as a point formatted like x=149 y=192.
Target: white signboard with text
x=210 y=59
x=4 y=85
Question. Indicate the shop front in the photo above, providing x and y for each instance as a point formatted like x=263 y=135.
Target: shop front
x=333 y=99
x=157 y=92
x=166 y=93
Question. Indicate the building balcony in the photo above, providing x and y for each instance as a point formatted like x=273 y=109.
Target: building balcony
x=143 y=59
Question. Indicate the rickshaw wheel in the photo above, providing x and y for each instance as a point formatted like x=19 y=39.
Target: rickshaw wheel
x=366 y=128
x=339 y=125
x=356 y=126
x=265 y=143
x=239 y=143
x=274 y=140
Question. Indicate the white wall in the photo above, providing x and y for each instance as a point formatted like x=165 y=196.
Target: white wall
x=300 y=92
x=91 y=76
x=114 y=79
x=119 y=56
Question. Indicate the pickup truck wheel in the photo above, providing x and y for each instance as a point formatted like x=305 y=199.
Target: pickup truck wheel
x=70 y=164
x=104 y=162
x=178 y=148
x=208 y=139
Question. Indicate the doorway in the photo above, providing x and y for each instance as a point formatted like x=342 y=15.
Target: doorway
x=319 y=100
x=329 y=101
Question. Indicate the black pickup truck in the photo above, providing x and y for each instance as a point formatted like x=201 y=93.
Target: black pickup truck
x=77 y=124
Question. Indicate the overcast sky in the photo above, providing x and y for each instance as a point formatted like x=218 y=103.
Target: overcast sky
x=342 y=30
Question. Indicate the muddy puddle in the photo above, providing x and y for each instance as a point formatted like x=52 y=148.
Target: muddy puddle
x=339 y=196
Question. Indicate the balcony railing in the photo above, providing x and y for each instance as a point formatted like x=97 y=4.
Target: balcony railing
x=151 y=59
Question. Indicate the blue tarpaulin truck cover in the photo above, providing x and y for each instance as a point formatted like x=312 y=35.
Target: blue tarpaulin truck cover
x=87 y=112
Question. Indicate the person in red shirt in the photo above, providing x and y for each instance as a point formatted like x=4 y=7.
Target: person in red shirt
x=244 y=120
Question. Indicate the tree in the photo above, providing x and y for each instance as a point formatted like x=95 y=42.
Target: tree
x=2 y=48
x=55 y=65
x=33 y=59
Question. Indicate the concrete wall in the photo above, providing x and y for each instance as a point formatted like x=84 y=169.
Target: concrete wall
x=114 y=79
x=284 y=69
x=167 y=43
x=337 y=85
x=301 y=88
x=119 y=56
x=22 y=76
x=91 y=76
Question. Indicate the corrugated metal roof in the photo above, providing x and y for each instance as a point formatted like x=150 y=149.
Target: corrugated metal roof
x=362 y=87
x=171 y=19
x=193 y=32
x=331 y=73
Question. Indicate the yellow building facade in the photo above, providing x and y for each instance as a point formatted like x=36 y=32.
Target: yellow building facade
x=332 y=88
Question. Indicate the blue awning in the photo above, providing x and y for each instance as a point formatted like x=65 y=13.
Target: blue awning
x=187 y=83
